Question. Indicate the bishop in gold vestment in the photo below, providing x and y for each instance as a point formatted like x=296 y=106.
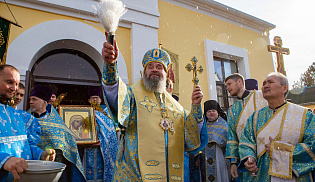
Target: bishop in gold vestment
x=155 y=128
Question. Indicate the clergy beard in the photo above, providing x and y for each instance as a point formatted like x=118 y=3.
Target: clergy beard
x=155 y=84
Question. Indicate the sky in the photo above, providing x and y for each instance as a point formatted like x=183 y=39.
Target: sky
x=294 y=22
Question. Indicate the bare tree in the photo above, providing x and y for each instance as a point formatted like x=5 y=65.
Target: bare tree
x=307 y=79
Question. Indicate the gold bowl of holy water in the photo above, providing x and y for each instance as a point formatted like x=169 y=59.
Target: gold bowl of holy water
x=43 y=171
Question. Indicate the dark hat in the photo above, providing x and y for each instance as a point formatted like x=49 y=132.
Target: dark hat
x=54 y=88
x=212 y=104
x=94 y=91
x=251 y=84
x=42 y=92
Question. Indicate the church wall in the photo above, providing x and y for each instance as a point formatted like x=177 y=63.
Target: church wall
x=31 y=19
x=183 y=31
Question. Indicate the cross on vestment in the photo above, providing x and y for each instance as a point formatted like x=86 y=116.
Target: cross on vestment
x=8 y=144
x=277 y=48
x=13 y=131
x=3 y=121
x=193 y=67
x=261 y=141
x=19 y=151
x=242 y=126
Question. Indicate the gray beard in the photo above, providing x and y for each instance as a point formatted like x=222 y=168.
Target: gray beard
x=33 y=109
x=155 y=85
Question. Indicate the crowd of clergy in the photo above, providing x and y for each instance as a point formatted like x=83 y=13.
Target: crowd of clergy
x=144 y=134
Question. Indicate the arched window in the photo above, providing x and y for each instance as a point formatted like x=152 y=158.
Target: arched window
x=71 y=71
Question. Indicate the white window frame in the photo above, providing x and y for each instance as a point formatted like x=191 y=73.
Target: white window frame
x=213 y=48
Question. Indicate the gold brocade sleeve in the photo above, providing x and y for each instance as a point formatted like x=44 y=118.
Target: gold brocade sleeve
x=192 y=137
x=304 y=152
x=110 y=73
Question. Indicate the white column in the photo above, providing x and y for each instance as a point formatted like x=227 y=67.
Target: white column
x=143 y=38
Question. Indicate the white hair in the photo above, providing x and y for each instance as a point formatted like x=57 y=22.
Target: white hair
x=283 y=78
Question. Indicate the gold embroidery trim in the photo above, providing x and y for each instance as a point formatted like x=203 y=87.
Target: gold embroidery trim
x=283 y=147
x=176 y=166
x=255 y=123
x=234 y=142
x=217 y=135
x=249 y=97
x=308 y=150
x=176 y=178
x=279 y=136
x=303 y=126
x=152 y=163
x=249 y=145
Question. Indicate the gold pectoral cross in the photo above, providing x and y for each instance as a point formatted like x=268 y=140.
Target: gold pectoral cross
x=277 y=48
x=193 y=67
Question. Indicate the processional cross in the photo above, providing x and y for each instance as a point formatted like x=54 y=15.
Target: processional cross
x=277 y=48
x=194 y=68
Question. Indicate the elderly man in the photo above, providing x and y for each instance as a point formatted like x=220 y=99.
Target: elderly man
x=247 y=102
x=278 y=142
x=99 y=159
x=15 y=146
x=156 y=127
x=55 y=134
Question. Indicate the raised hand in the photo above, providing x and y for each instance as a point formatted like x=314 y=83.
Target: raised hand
x=110 y=52
x=197 y=95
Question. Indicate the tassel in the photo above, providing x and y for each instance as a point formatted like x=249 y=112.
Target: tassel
x=109 y=12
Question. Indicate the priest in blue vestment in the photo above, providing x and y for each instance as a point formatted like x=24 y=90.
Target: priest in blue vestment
x=208 y=162
x=247 y=102
x=278 y=142
x=155 y=128
x=15 y=140
x=98 y=160
x=55 y=134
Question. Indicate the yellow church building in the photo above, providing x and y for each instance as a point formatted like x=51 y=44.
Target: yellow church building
x=61 y=41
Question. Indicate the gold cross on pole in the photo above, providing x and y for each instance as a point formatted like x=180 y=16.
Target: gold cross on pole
x=277 y=48
x=194 y=68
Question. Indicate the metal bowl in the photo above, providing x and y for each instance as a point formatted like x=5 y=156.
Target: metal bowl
x=43 y=171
